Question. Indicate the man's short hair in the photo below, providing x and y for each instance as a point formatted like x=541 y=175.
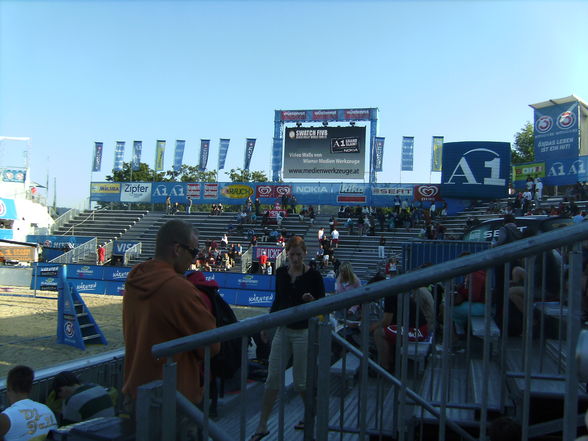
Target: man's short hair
x=173 y=231
x=65 y=378
x=20 y=379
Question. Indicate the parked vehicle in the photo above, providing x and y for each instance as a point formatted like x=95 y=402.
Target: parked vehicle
x=528 y=225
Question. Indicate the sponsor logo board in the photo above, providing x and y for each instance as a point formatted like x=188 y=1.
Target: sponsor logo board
x=237 y=191
x=105 y=187
x=351 y=199
x=135 y=192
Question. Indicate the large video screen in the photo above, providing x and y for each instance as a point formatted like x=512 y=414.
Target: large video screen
x=324 y=153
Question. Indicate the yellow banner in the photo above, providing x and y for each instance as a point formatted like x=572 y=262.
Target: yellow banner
x=105 y=188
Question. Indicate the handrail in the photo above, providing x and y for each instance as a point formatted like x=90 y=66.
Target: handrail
x=72 y=228
x=397 y=285
x=77 y=253
x=64 y=218
x=246 y=259
x=281 y=258
x=132 y=252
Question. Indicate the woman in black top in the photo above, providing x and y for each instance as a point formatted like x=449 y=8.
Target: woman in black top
x=296 y=284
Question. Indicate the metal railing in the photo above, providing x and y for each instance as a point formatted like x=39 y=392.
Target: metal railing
x=247 y=260
x=132 y=253
x=80 y=252
x=281 y=258
x=441 y=407
x=64 y=218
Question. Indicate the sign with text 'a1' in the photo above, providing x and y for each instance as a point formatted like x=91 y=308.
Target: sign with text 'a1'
x=475 y=169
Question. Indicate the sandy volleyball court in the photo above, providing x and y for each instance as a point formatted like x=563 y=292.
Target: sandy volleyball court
x=28 y=327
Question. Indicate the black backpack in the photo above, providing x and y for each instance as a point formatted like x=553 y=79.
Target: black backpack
x=228 y=360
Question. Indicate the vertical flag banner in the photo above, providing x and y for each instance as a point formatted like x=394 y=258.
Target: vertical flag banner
x=277 y=158
x=204 y=147
x=407 y=153
x=436 y=153
x=159 y=154
x=379 y=153
x=119 y=154
x=97 y=163
x=249 y=147
x=179 y=154
x=223 y=148
x=137 y=147
x=557 y=131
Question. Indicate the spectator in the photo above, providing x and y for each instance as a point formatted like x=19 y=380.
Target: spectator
x=24 y=419
x=101 y=254
x=349 y=225
x=81 y=402
x=253 y=241
x=391 y=267
x=160 y=305
x=257 y=207
x=382 y=247
x=168 y=205
x=346 y=281
x=188 y=204
x=308 y=286
x=224 y=241
x=263 y=261
x=335 y=238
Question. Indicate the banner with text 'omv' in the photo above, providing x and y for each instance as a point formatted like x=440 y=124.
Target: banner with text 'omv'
x=475 y=170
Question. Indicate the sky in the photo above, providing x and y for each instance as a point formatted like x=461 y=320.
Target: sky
x=76 y=72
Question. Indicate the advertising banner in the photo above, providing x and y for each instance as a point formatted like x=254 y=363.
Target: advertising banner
x=533 y=169
x=176 y=190
x=324 y=153
x=251 y=298
x=324 y=115
x=223 y=148
x=179 y=154
x=58 y=241
x=159 y=155
x=204 y=147
x=356 y=114
x=379 y=153
x=272 y=191
x=566 y=171
x=557 y=132
x=105 y=191
x=475 y=170
x=249 y=147
x=121 y=246
x=293 y=115
x=85 y=272
x=97 y=161
x=270 y=252
x=407 y=153
x=135 y=192
x=20 y=253
x=7 y=209
x=193 y=190
x=119 y=154
x=116 y=273
x=277 y=157
x=210 y=191
x=237 y=191
x=427 y=193
x=136 y=162
x=436 y=153
x=392 y=190
x=13 y=174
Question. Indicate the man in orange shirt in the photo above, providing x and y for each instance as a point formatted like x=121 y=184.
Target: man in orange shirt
x=159 y=305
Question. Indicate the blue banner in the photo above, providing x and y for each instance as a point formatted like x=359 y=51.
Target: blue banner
x=223 y=148
x=119 y=154
x=204 y=147
x=179 y=154
x=557 y=131
x=277 y=158
x=136 y=161
x=249 y=147
x=475 y=170
x=116 y=273
x=97 y=160
x=7 y=209
x=58 y=241
x=566 y=171
x=407 y=153
x=121 y=246
x=85 y=272
x=379 y=153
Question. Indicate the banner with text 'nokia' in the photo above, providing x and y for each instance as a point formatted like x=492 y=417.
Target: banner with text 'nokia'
x=324 y=153
x=475 y=170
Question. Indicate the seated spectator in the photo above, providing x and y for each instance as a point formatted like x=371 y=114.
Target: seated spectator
x=391 y=267
x=224 y=241
x=81 y=402
x=420 y=322
x=24 y=419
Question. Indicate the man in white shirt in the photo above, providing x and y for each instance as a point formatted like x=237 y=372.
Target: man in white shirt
x=24 y=419
x=335 y=238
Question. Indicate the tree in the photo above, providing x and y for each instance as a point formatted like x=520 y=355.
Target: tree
x=524 y=145
x=144 y=174
x=190 y=173
x=240 y=175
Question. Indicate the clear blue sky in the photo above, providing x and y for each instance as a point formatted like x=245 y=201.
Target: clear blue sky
x=75 y=72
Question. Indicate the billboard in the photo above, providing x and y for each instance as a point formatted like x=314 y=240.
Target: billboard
x=557 y=131
x=475 y=169
x=324 y=153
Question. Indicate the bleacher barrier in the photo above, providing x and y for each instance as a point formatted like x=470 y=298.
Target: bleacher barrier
x=419 y=252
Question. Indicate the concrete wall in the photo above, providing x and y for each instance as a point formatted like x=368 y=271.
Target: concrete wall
x=10 y=276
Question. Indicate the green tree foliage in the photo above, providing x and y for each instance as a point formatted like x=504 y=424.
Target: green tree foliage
x=144 y=174
x=240 y=175
x=190 y=173
x=523 y=149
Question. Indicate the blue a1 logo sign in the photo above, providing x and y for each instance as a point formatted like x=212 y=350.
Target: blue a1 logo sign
x=476 y=169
